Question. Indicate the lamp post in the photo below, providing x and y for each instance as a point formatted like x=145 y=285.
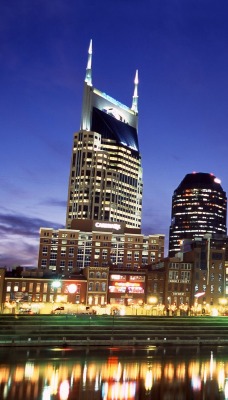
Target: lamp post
x=56 y=284
x=152 y=301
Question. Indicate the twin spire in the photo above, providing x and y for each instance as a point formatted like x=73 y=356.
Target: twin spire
x=88 y=79
x=134 y=106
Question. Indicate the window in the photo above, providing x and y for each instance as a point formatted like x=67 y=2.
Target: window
x=53 y=256
x=185 y=275
x=8 y=287
x=38 y=288
x=173 y=275
x=44 y=250
x=63 y=251
x=30 y=287
x=23 y=287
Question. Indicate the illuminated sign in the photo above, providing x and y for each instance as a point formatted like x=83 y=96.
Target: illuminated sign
x=106 y=225
x=118 y=277
x=116 y=102
x=199 y=294
x=127 y=284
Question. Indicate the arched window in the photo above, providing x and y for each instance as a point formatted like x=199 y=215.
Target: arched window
x=97 y=287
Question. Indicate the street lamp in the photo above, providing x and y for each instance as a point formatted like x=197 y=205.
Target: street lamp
x=153 y=301
x=56 y=284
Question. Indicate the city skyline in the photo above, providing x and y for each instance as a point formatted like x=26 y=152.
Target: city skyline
x=180 y=51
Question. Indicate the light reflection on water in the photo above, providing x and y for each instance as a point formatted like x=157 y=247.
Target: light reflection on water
x=114 y=373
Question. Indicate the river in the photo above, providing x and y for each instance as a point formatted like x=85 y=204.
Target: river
x=152 y=373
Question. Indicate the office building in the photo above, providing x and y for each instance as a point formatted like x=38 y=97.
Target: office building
x=105 y=180
x=199 y=207
x=97 y=244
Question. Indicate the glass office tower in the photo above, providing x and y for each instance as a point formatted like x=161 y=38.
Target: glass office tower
x=105 y=181
x=199 y=207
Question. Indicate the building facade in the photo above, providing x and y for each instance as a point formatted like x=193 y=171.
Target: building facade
x=194 y=283
x=210 y=279
x=199 y=207
x=127 y=287
x=97 y=244
x=33 y=291
x=105 y=180
x=97 y=285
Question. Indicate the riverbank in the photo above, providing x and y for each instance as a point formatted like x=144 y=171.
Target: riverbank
x=96 y=330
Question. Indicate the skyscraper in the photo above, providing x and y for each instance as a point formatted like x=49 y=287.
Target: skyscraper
x=105 y=181
x=199 y=207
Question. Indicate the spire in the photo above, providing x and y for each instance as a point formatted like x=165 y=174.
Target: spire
x=135 y=95
x=88 y=78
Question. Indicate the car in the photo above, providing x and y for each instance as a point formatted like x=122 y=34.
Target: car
x=25 y=311
x=58 y=310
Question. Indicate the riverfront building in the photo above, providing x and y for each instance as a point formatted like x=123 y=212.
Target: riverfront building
x=194 y=281
x=199 y=207
x=97 y=244
x=33 y=290
x=105 y=182
x=210 y=270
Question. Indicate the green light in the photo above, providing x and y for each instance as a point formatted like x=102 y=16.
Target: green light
x=56 y=284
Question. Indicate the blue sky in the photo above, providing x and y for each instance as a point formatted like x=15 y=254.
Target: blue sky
x=180 y=48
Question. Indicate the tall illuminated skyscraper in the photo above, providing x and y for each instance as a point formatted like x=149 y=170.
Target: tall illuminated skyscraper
x=199 y=207
x=105 y=181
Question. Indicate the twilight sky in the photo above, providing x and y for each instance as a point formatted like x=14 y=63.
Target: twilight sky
x=180 y=48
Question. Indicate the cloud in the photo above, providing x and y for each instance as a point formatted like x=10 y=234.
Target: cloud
x=55 y=203
x=19 y=224
x=19 y=243
x=16 y=251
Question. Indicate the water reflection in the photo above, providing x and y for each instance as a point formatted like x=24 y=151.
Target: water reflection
x=114 y=374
